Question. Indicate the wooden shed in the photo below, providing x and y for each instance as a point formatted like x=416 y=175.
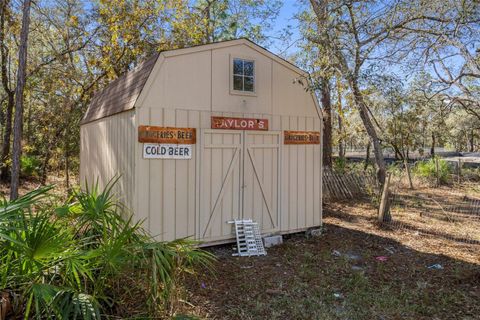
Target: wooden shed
x=208 y=134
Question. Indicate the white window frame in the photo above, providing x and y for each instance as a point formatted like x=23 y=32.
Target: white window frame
x=241 y=92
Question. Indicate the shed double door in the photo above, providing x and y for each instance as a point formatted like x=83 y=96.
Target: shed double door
x=239 y=179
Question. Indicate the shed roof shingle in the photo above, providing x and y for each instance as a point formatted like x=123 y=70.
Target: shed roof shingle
x=121 y=94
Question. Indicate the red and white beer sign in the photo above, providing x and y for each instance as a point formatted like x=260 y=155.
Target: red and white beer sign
x=239 y=123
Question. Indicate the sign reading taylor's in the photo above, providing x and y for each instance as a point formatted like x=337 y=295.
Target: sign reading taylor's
x=301 y=137
x=166 y=135
x=167 y=151
x=239 y=123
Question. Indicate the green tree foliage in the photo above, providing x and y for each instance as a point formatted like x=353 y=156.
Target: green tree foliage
x=232 y=19
x=77 y=47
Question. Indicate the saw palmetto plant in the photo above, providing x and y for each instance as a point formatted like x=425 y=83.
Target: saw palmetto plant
x=70 y=261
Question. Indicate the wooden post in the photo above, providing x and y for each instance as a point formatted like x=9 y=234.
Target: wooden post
x=407 y=168
x=384 y=201
x=437 y=174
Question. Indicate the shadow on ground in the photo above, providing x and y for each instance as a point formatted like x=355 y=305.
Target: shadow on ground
x=338 y=276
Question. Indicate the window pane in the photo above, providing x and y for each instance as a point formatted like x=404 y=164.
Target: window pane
x=238 y=83
x=248 y=68
x=248 y=85
x=237 y=66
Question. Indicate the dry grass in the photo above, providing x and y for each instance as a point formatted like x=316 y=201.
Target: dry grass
x=337 y=276
x=420 y=224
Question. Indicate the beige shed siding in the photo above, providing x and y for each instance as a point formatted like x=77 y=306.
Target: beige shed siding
x=173 y=198
x=107 y=150
x=291 y=98
x=200 y=80
x=166 y=193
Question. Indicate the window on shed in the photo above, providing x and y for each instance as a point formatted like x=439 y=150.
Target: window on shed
x=243 y=75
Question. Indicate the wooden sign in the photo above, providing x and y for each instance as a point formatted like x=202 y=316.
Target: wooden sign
x=239 y=123
x=301 y=137
x=167 y=151
x=166 y=135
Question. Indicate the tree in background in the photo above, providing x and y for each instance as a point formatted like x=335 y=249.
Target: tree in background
x=315 y=59
x=19 y=100
x=232 y=19
x=7 y=31
x=76 y=48
x=447 y=39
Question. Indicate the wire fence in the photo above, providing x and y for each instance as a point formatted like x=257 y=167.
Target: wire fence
x=431 y=210
x=444 y=212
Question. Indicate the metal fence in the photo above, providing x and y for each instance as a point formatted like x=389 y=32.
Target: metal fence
x=441 y=212
x=436 y=212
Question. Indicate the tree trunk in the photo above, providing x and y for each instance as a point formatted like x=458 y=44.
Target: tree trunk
x=472 y=144
x=398 y=153
x=341 y=143
x=67 y=165
x=19 y=99
x=327 y=122
x=46 y=160
x=341 y=146
x=383 y=210
x=432 y=148
x=372 y=133
x=367 y=157
x=7 y=134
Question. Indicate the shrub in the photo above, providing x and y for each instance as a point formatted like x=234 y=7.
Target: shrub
x=29 y=166
x=73 y=261
x=340 y=164
x=427 y=169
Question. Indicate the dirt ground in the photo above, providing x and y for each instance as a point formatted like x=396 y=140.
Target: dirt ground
x=355 y=270
x=30 y=184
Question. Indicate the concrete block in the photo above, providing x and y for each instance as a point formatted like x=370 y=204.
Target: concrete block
x=271 y=241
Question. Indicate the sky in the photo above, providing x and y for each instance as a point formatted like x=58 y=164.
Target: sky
x=286 y=20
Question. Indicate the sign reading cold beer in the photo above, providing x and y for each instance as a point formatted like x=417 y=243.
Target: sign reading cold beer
x=167 y=151
x=239 y=123
x=166 y=135
x=301 y=137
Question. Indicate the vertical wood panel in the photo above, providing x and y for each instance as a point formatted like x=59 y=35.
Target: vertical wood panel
x=142 y=182
x=169 y=185
x=285 y=178
x=293 y=179
x=105 y=154
x=301 y=177
x=193 y=122
x=156 y=187
x=310 y=177
x=181 y=185
x=318 y=176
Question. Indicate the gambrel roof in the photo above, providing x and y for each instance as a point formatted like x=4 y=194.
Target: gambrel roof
x=122 y=93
